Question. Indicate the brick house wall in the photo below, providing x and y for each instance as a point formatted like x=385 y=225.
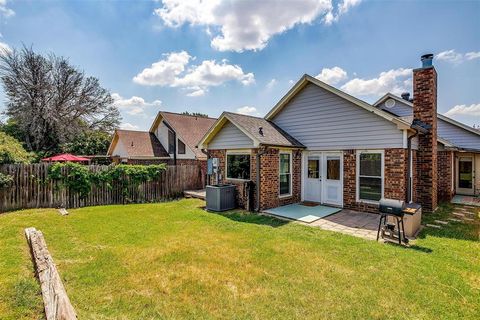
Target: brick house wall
x=395 y=178
x=269 y=177
x=425 y=110
x=445 y=171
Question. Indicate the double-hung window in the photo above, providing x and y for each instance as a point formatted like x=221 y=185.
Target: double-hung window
x=238 y=166
x=285 y=174
x=370 y=175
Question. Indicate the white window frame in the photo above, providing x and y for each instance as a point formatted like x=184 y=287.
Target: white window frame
x=286 y=195
x=237 y=152
x=359 y=152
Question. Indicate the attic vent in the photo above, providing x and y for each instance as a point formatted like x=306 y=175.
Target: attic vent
x=260 y=131
x=390 y=103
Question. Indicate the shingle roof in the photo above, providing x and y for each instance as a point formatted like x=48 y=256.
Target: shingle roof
x=272 y=134
x=190 y=129
x=141 y=144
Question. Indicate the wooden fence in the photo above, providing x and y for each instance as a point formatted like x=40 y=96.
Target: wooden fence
x=31 y=188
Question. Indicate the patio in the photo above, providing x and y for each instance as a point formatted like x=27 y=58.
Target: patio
x=359 y=224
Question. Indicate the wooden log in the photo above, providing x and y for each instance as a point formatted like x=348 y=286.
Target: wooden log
x=55 y=299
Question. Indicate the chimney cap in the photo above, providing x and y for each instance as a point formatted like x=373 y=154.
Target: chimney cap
x=427 y=60
x=406 y=96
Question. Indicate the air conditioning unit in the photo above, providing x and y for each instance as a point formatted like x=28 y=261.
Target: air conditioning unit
x=220 y=197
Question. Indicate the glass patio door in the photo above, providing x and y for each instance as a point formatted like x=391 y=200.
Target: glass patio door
x=465 y=175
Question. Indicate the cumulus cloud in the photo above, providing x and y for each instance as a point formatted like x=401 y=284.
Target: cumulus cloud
x=175 y=70
x=472 y=110
x=4 y=10
x=247 y=110
x=456 y=57
x=272 y=83
x=395 y=81
x=134 y=105
x=248 y=25
x=332 y=76
x=342 y=8
x=128 y=126
x=4 y=47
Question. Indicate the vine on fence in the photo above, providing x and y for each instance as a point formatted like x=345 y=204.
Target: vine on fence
x=78 y=178
x=5 y=180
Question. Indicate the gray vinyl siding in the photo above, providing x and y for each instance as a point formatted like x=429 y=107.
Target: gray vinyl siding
x=458 y=136
x=399 y=109
x=230 y=137
x=321 y=120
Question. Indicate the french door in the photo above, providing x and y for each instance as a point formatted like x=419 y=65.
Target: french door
x=323 y=177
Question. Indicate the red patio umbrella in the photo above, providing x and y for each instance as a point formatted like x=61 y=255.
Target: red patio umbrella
x=66 y=157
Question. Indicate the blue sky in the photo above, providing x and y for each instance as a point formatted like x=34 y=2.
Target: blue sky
x=244 y=56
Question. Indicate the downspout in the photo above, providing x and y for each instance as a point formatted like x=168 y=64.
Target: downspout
x=409 y=156
x=259 y=154
x=207 y=178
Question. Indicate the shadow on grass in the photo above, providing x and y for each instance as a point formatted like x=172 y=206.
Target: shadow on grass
x=463 y=230
x=251 y=217
x=412 y=247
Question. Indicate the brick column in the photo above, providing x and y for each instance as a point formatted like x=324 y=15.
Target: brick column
x=445 y=172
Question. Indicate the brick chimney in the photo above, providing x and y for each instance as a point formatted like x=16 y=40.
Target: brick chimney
x=425 y=110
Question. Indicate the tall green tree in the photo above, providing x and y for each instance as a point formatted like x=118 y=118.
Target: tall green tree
x=92 y=142
x=51 y=102
x=11 y=150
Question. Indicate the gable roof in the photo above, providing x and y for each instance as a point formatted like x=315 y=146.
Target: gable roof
x=138 y=144
x=250 y=126
x=439 y=115
x=189 y=129
x=306 y=79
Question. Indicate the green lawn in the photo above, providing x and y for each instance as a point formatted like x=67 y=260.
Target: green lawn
x=174 y=260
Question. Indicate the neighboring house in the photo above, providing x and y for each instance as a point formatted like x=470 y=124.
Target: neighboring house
x=320 y=144
x=171 y=139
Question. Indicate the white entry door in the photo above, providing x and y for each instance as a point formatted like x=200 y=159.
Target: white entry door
x=323 y=177
x=332 y=182
x=313 y=179
x=465 y=168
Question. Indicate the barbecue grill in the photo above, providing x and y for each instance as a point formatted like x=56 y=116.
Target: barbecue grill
x=392 y=231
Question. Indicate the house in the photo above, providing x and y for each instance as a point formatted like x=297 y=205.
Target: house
x=172 y=139
x=323 y=145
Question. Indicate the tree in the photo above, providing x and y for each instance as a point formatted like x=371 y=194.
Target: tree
x=51 y=102
x=11 y=150
x=92 y=142
x=196 y=114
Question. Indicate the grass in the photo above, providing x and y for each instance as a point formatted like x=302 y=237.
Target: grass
x=174 y=260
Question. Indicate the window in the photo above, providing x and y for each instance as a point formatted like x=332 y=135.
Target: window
x=171 y=142
x=333 y=168
x=181 y=147
x=285 y=174
x=313 y=167
x=370 y=176
x=238 y=166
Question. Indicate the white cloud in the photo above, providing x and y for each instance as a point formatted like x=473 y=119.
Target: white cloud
x=175 y=71
x=456 y=57
x=245 y=25
x=4 y=47
x=472 y=55
x=473 y=110
x=332 y=76
x=4 y=10
x=394 y=81
x=247 y=110
x=342 y=8
x=272 y=83
x=134 y=105
x=128 y=126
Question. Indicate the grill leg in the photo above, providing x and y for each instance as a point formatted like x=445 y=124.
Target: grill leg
x=379 y=226
x=403 y=230
x=399 y=235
